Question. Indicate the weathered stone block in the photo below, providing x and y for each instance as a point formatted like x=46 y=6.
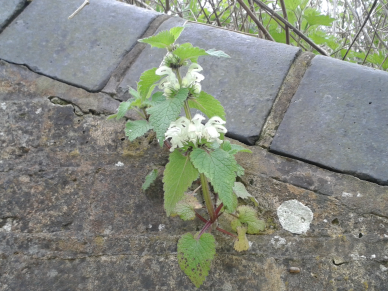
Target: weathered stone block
x=338 y=119
x=9 y=9
x=246 y=84
x=82 y=51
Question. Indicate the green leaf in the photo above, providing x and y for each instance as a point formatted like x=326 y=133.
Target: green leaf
x=134 y=129
x=156 y=98
x=226 y=146
x=176 y=31
x=189 y=53
x=185 y=207
x=113 y=116
x=242 y=243
x=178 y=176
x=165 y=112
x=162 y=40
x=208 y=105
x=248 y=215
x=234 y=148
x=216 y=53
x=134 y=93
x=146 y=83
x=241 y=192
x=325 y=20
x=149 y=179
x=292 y=4
x=240 y=171
x=123 y=108
x=220 y=168
x=195 y=256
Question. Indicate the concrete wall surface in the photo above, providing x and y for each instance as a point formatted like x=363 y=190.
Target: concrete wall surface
x=72 y=213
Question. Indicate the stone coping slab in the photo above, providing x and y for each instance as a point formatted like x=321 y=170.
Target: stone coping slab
x=246 y=84
x=82 y=51
x=338 y=119
x=9 y=8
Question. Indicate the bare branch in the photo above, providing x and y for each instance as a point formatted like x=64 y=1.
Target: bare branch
x=86 y=2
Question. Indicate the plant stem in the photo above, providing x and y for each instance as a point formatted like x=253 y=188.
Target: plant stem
x=186 y=105
x=207 y=198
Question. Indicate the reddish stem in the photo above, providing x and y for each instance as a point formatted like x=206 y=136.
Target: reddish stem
x=201 y=217
x=226 y=232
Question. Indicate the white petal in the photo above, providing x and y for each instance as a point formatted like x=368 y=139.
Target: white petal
x=164 y=70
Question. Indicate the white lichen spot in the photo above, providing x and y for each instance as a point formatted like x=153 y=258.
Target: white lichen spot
x=1 y=133
x=52 y=273
x=383 y=268
x=278 y=241
x=325 y=220
x=38 y=111
x=346 y=194
x=161 y=227
x=3 y=106
x=386 y=235
x=150 y=226
x=7 y=227
x=373 y=256
x=294 y=216
x=250 y=244
x=359 y=194
x=360 y=219
x=119 y=164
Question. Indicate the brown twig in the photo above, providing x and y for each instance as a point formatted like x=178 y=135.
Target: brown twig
x=286 y=18
x=293 y=28
x=257 y=21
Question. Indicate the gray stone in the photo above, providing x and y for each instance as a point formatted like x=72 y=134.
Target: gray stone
x=246 y=84
x=9 y=9
x=338 y=119
x=82 y=51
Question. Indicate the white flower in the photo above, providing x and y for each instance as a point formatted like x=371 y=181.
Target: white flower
x=213 y=128
x=169 y=83
x=184 y=130
x=192 y=77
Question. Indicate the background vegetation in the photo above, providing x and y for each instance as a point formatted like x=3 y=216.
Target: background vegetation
x=352 y=30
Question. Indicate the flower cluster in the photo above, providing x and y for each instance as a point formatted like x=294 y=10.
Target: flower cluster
x=183 y=131
x=170 y=83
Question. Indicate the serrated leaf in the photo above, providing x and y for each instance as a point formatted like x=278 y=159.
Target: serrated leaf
x=165 y=112
x=146 y=84
x=178 y=176
x=241 y=192
x=185 y=207
x=149 y=179
x=134 y=93
x=216 y=53
x=195 y=256
x=226 y=146
x=189 y=53
x=219 y=167
x=325 y=20
x=134 y=129
x=208 y=105
x=156 y=98
x=248 y=215
x=237 y=148
x=234 y=224
x=123 y=108
x=242 y=243
x=240 y=171
x=162 y=40
x=176 y=31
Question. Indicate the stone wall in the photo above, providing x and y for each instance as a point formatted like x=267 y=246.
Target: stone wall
x=72 y=213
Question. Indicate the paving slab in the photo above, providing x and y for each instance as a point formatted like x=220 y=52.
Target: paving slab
x=338 y=119
x=246 y=84
x=82 y=51
x=10 y=8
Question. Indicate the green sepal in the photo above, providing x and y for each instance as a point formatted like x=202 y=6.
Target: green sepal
x=209 y=105
x=220 y=168
x=195 y=256
x=178 y=176
x=137 y=128
x=162 y=40
x=149 y=179
x=162 y=114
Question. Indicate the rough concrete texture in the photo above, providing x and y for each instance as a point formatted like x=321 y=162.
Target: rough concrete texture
x=9 y=9
x=73 y=218
x=246 y=84
x=338 y=118
x=82 y=51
